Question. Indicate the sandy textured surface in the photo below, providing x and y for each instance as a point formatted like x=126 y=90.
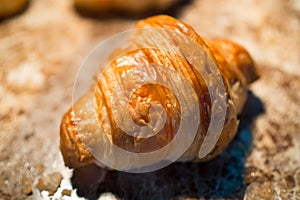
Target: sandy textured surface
x=41 y=51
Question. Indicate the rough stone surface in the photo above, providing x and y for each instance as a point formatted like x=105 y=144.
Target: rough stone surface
x=41 y=51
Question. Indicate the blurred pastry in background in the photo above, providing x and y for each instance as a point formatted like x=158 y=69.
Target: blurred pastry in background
x=128 y=7
x=9 y=8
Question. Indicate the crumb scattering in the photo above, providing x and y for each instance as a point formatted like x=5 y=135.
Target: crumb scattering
x=49 y=183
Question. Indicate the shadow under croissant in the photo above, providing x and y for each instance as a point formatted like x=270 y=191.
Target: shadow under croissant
x=222 y=177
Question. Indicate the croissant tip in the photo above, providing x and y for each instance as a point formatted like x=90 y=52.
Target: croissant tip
x=247 y=66
x=73 y=153
x=239 y=56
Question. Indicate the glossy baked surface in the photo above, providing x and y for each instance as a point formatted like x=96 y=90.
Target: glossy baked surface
x=236 y=67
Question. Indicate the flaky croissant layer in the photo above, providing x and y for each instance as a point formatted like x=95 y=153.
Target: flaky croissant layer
x=237 y=71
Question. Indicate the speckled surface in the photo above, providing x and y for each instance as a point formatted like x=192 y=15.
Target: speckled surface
x=41 y=50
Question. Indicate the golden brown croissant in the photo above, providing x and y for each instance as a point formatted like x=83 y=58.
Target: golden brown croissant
x=129 y=6
x=237 y=71
x=8 y=7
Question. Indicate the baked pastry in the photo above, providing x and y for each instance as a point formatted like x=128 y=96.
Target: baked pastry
x=129 y=6
x=9 y=8
x=236 y=69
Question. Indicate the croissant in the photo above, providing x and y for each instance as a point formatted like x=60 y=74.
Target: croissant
x=129 y=6
x=79 y=127
x=8 y=7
